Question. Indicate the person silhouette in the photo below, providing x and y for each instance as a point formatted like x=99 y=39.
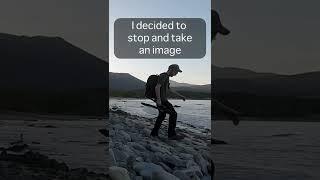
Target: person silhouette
x=218 y=27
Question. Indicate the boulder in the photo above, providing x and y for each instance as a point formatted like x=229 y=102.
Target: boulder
x=146 y=169
x=118 y=173
x=173 y=161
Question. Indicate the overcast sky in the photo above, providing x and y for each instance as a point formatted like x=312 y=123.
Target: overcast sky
x=80 y=22
x=269 y=36
x=279 y=36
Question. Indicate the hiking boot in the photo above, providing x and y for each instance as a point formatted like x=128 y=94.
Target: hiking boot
x=176 y=137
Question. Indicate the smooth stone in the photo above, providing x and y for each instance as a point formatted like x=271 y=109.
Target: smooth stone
x=202 y=163
x=146 y=169
x=154 y=148
x=191 y=163
x=124 y=136
x=173 y=160
x=186 y=156
x=137 y=146
x=139 y=159
x=120 y=155
x=118 y=173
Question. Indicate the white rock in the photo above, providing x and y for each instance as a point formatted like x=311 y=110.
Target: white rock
x=124 y=136
x=186 y=156
x=120 y=155
x=139 y=159
x=191 y=163
x=155 y=148
x=146 y=169
x=174 y=160
x=202 y=163
x=118 y=173
x=137 y=146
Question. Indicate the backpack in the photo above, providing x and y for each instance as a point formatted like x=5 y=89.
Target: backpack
x=150 y=87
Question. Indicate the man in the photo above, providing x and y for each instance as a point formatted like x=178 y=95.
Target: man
x=217 y=27
x=165 y=107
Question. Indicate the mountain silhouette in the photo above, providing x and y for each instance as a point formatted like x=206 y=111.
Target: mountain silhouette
x=236 y=73
x=50 y=75
x=238 y=80
x=48 y=63
x=124 y=82
x=267 y=94
x=127 y=82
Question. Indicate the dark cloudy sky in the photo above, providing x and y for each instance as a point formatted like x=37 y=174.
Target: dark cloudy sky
x=279 y=36
x=81 y=22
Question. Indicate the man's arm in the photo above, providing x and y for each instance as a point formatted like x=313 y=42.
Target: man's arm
x=157 y=89
x=178 y=94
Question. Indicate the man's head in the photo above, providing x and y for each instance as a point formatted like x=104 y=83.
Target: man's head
x=173 y=70
x=216 y=25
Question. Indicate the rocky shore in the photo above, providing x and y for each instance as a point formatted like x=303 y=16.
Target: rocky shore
x=35 y=166
x=137 y=156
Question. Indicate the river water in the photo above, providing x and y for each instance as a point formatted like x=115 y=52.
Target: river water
x=193 y=112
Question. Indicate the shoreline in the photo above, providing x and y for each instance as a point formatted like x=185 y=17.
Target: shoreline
x=75 y=140
x=182 y=121
x=132 y=148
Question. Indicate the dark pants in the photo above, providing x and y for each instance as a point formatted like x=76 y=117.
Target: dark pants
x=168 y=108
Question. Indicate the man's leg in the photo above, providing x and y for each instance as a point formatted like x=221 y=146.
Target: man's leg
x=158 y=123
x=172 y=119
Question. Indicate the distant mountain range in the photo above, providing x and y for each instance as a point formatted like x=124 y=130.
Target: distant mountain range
x=235 y=80
x=267 y=94
x=48 y=74
x=127 y=82
x=251 y=93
